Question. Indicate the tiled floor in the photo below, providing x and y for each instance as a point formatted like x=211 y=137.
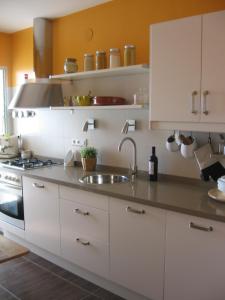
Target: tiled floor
x=33 y=278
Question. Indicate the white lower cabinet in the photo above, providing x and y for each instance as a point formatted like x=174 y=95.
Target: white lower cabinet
x=41 y=211
x=137 y=235
x=159 y=254
x=195 y=258
x=84 y=230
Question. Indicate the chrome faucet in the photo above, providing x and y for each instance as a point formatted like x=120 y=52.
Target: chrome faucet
x=133 y=170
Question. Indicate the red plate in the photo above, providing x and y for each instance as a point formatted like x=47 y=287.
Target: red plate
x=108 y=100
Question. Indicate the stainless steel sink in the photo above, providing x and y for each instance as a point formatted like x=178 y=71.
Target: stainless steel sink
x=104 y=178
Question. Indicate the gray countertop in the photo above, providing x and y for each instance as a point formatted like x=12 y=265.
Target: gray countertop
x=172 y=193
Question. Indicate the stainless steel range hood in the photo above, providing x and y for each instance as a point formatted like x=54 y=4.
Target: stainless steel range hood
x=40 y=93
x=37 y=95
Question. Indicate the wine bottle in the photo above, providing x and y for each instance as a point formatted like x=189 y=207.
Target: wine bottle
x=153 y=166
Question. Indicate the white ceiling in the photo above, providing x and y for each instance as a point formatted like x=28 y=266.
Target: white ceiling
x=19 y=14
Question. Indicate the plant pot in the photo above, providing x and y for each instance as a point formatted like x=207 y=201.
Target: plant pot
x=89 y=164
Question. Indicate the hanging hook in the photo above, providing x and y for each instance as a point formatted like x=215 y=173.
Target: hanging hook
x=209 y=139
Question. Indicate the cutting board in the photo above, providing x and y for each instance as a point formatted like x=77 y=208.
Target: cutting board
x=10 y=249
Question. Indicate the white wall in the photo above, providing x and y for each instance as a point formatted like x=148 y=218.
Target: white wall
x=50 y=132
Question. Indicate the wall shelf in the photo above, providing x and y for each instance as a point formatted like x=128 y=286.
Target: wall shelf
x=100 y=107
x=120 y=71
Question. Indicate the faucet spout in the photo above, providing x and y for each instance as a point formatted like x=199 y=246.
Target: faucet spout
x=134 y=166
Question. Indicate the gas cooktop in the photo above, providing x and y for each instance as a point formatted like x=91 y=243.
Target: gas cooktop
x=27 y=164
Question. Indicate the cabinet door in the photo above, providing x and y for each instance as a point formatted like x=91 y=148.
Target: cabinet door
x=195 y=258
x=213 y=68
x=137 y=247
x=175 y=70
x=41 y=211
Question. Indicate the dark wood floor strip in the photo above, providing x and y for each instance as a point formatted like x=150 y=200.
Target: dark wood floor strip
x=55 y=274
x=31 y=277
x=11 y=295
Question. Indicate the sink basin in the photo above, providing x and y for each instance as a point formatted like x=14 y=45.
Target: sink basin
x=103 y=178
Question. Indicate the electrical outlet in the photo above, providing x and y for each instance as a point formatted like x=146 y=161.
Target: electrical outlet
x=79 y=142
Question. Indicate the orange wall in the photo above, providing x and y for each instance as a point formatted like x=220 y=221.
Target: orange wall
x=114 y=24
x=117 y=23
x=5 y=53
x=22 y=54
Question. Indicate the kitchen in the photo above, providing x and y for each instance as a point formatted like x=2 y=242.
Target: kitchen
x=49 y=133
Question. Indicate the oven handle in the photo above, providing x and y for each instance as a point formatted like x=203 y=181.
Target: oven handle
x=8 y=186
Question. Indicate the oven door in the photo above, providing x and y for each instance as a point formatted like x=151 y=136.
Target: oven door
x=11 y=205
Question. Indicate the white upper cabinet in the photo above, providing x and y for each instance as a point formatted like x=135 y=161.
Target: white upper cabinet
x=213 y=67
x=175 y=70
x=187 y=73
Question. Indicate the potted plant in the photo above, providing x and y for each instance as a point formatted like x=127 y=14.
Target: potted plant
x=88 y=158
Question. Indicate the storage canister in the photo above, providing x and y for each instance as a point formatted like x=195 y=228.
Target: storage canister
x=101 y=60
x=114 y=58
x=129 y=55
x=70 y=65
x=88 y=62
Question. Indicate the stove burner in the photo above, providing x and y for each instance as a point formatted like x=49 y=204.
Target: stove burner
x=26 y=164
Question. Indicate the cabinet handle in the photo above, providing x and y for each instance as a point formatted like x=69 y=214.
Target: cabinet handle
x=199 y=227
x=204 y=104
x=37 y=185
x=78 y=211
x=82 y=242
x=193 y=111
x=136 y=211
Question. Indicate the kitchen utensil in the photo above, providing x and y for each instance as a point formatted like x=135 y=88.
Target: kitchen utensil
x=216 y=195
x=108 y=100
x=204 y=157
x=68 y=160
x=188 y=147
x=179 y=138
x=20 y=143
x=25 y=154
x=171 y=144
x=221 y=144
x=208 y=164
x=81 y=100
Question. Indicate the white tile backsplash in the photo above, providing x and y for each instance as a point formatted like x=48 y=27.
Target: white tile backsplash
x=50 y=133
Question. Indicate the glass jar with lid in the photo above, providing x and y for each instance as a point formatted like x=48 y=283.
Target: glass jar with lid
x=88 y=62
x=70 y=65
x=114 y=58
x=100 y=62
x=129 y=55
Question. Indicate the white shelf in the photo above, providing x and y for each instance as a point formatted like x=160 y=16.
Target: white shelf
x=99 y=107
x=130 y=70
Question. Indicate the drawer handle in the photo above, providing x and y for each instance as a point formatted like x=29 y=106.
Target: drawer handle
x=82 y=242
x=193 y=111
x=78 y=211
x=135 y=211
x=199 y=227
x=37 y=185
x=204 y=103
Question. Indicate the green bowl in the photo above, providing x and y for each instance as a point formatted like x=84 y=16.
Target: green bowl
x=81 y=100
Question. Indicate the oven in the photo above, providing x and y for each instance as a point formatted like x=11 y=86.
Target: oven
x=11 y=199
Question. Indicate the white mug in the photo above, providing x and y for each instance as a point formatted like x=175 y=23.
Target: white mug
x=187 y=151
x=172 y=146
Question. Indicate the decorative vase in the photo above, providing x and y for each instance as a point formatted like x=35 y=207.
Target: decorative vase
x=89 y=164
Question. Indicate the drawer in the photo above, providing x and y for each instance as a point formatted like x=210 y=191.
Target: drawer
x=84 y=219
x=83 y=197
x=85 y=252
x=40 y=188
